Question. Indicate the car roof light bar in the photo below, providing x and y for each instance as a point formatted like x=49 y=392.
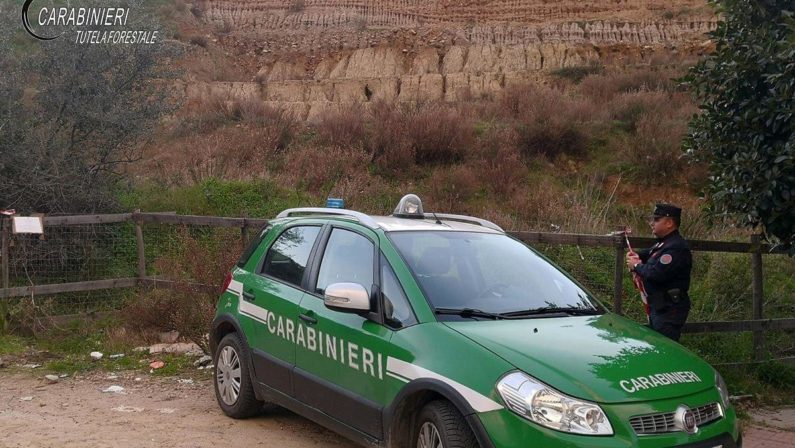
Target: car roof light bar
x=305 y=211
x=464 y=219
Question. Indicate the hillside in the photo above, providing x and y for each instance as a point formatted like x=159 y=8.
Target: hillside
x=534 y=114
x=310 y=55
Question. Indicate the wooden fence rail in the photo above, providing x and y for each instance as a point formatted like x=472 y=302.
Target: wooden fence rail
x=754 y=248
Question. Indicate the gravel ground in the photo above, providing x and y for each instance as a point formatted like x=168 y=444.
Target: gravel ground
x=151 y=412
x=182 y=412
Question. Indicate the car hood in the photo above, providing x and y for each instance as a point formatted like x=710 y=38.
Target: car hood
x=607 y=358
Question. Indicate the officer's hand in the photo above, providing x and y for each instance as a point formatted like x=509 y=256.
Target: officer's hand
x=632 y=260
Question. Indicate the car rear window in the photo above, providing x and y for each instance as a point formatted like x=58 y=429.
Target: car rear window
x=287 y=257
x=253 y=245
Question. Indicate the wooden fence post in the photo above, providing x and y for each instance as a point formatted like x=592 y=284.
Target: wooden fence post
x=139 y=239
x=758 y=295
x=618 y=275
x=244 y=233
x=5 y=229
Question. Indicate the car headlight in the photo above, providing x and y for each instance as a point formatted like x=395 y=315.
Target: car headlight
x=544 y=405
x=723 y=390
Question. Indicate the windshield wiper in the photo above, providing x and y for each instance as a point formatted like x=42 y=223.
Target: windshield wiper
x=543 y=311
x=546 y=310
x=469 y=312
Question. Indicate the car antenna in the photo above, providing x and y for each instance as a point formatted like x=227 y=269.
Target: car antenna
x=438 y=221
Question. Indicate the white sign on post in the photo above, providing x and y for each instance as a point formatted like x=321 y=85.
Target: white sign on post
x=28 y=224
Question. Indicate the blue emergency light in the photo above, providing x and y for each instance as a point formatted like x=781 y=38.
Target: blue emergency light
x=335 y=203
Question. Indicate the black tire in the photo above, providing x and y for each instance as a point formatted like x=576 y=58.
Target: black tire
x=452 y=429
x=230 y=355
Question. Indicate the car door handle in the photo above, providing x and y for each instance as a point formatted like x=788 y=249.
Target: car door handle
x=308 y=319
x=248 y=296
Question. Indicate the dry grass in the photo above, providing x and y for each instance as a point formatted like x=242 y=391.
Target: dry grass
x=438 y=134
x=389 y=148
x=603 y=87
x=655 y=149
x=532 y=157
x=402 y=135
x=198 y=40
x=211 y=64
x=228 y=153
x=223 y=138
x=453 y=187
x=203 y=114
x=319 y=169
x=189 y=305
x=548 y=122
x=345 y=126
x=497 y=160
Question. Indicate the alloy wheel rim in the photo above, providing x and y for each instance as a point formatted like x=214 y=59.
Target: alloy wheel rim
x=227 y=375
x=429 y=436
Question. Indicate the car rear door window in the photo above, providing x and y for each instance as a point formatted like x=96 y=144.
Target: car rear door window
x=287 y=257
x=253 y=245
x=348 y=258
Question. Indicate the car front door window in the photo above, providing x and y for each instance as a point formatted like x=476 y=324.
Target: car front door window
x=348 y=258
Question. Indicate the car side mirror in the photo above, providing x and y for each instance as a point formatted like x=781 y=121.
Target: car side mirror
x=347 y=297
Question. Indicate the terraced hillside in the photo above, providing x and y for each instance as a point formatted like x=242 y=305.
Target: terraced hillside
x=311 y=55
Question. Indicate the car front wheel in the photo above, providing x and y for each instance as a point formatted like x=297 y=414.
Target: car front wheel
x=440 y=425
x=233 y=388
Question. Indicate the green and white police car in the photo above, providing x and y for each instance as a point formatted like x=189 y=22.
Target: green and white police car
x=435 y=330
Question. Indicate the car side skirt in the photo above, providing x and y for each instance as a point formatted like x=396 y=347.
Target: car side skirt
x=278 y=398
x=272 y=371
x=351 y=409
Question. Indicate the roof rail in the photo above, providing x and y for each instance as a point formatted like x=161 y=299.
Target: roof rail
x=304 y=211
x=465 y=219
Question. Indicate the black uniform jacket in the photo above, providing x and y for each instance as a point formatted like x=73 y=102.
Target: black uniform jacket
x=666 y=272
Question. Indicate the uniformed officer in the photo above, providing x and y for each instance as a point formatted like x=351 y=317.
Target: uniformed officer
x=665 y=271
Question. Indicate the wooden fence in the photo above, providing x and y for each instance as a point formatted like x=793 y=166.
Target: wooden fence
x=754 y=248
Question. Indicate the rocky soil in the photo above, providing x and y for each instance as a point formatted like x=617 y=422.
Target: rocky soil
x=310 y=55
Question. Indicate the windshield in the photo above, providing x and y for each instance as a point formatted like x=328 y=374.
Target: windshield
x=489 y=273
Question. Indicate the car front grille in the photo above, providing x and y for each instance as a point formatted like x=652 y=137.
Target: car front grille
x=664 y=422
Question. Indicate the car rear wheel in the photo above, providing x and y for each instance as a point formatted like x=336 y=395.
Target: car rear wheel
x=440 y=425
x=233 y=388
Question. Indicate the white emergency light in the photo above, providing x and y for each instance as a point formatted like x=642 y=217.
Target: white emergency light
x=410 y=206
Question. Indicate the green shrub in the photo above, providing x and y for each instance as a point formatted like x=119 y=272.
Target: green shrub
x=577 y=73
x=776 y=374
x=261 y=198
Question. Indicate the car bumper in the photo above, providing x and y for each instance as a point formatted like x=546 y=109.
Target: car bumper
x=506 y=429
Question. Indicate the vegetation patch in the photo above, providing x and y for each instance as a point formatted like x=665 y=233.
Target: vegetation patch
x=577 y=73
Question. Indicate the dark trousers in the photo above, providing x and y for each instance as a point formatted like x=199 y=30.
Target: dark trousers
x=670 y=320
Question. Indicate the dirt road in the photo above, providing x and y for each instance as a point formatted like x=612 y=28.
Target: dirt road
x=172 y=412
x=151 y=412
